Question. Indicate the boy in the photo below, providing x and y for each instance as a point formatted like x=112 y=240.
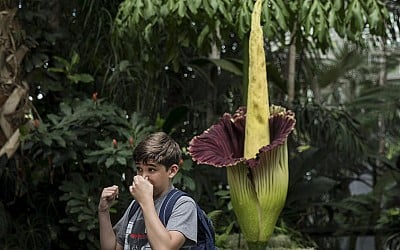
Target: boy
x=157 y=160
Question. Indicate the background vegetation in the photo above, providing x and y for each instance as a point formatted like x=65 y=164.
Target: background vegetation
x=83 y=81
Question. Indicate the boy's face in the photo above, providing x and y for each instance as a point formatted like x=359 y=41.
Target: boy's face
x=158 y=175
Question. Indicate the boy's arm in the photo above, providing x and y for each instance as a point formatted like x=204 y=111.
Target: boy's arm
x=159 y=237
x=107 y=235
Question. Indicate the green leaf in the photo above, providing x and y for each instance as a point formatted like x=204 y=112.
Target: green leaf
x=123 y=65
x=147 y=33
x=121 y=160
x=244 y=21
x=203 y=34
x=86 y=78
x=149 y=10
x=47 y=141
x=56 y=70
x=64 y=62
x=193 y=6
x=281 y=13
x=172 y=6
x=228 y=66
x=214 y=5
x=227 y=14
x=374 y=18
x=74 y=229
x=137 y=13
x=305 y=9
x=110 y=161
x=310 y=19
x=59 y=140
x=74 y=203
x=82 y=235
x=53 y=118
x=332 y=18
x=207 y=8
x=337 y=5
x=189 y=183
x=83 y=217
x=163 y=13
x=75 y=210
x=187 y=165
x=75 y=59
x=181 y=8
x=65 y=109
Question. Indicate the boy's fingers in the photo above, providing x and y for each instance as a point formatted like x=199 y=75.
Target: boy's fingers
x=116 y=192
x=110 y=193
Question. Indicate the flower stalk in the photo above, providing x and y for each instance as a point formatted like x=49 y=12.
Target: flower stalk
x=244 y=196
x=257 y=127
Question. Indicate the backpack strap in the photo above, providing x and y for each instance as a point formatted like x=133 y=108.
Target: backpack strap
x=168 y=204
x=135 y=206
x=205 y=229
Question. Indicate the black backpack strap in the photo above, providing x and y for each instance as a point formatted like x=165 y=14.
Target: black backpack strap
x=135 y=206
x=132 y=210
x=168 y=204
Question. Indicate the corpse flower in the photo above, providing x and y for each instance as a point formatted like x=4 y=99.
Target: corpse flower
x=252 y=145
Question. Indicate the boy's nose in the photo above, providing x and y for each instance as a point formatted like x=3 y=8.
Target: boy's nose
x=144 y=174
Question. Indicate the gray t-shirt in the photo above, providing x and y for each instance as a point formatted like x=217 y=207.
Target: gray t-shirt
x=132 y=234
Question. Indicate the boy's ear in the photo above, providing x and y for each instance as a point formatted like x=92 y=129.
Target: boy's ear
x=173 y=170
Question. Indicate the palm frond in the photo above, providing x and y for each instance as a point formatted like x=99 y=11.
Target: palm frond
x=330 y=127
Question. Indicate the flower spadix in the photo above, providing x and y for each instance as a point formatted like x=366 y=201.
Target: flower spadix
x=252 y=145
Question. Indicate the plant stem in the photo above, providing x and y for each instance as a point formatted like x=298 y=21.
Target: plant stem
x=257 y=245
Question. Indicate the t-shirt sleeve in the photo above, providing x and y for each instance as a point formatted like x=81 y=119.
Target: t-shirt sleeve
x=184 y=219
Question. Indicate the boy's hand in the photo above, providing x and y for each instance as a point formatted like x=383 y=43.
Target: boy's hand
x=108 y=195
x=141 y=189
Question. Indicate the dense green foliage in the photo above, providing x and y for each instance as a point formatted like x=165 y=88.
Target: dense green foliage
x=103 y=74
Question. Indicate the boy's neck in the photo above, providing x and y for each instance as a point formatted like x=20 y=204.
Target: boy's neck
x=170 y=187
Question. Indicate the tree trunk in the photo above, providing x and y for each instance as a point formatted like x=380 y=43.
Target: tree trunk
x=212 y=91
x=292 y=68
x=382 y=77
x=245 y=78
x=14 y=103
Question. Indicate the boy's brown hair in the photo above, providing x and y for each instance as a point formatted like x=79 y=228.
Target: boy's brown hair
x=160 y=148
